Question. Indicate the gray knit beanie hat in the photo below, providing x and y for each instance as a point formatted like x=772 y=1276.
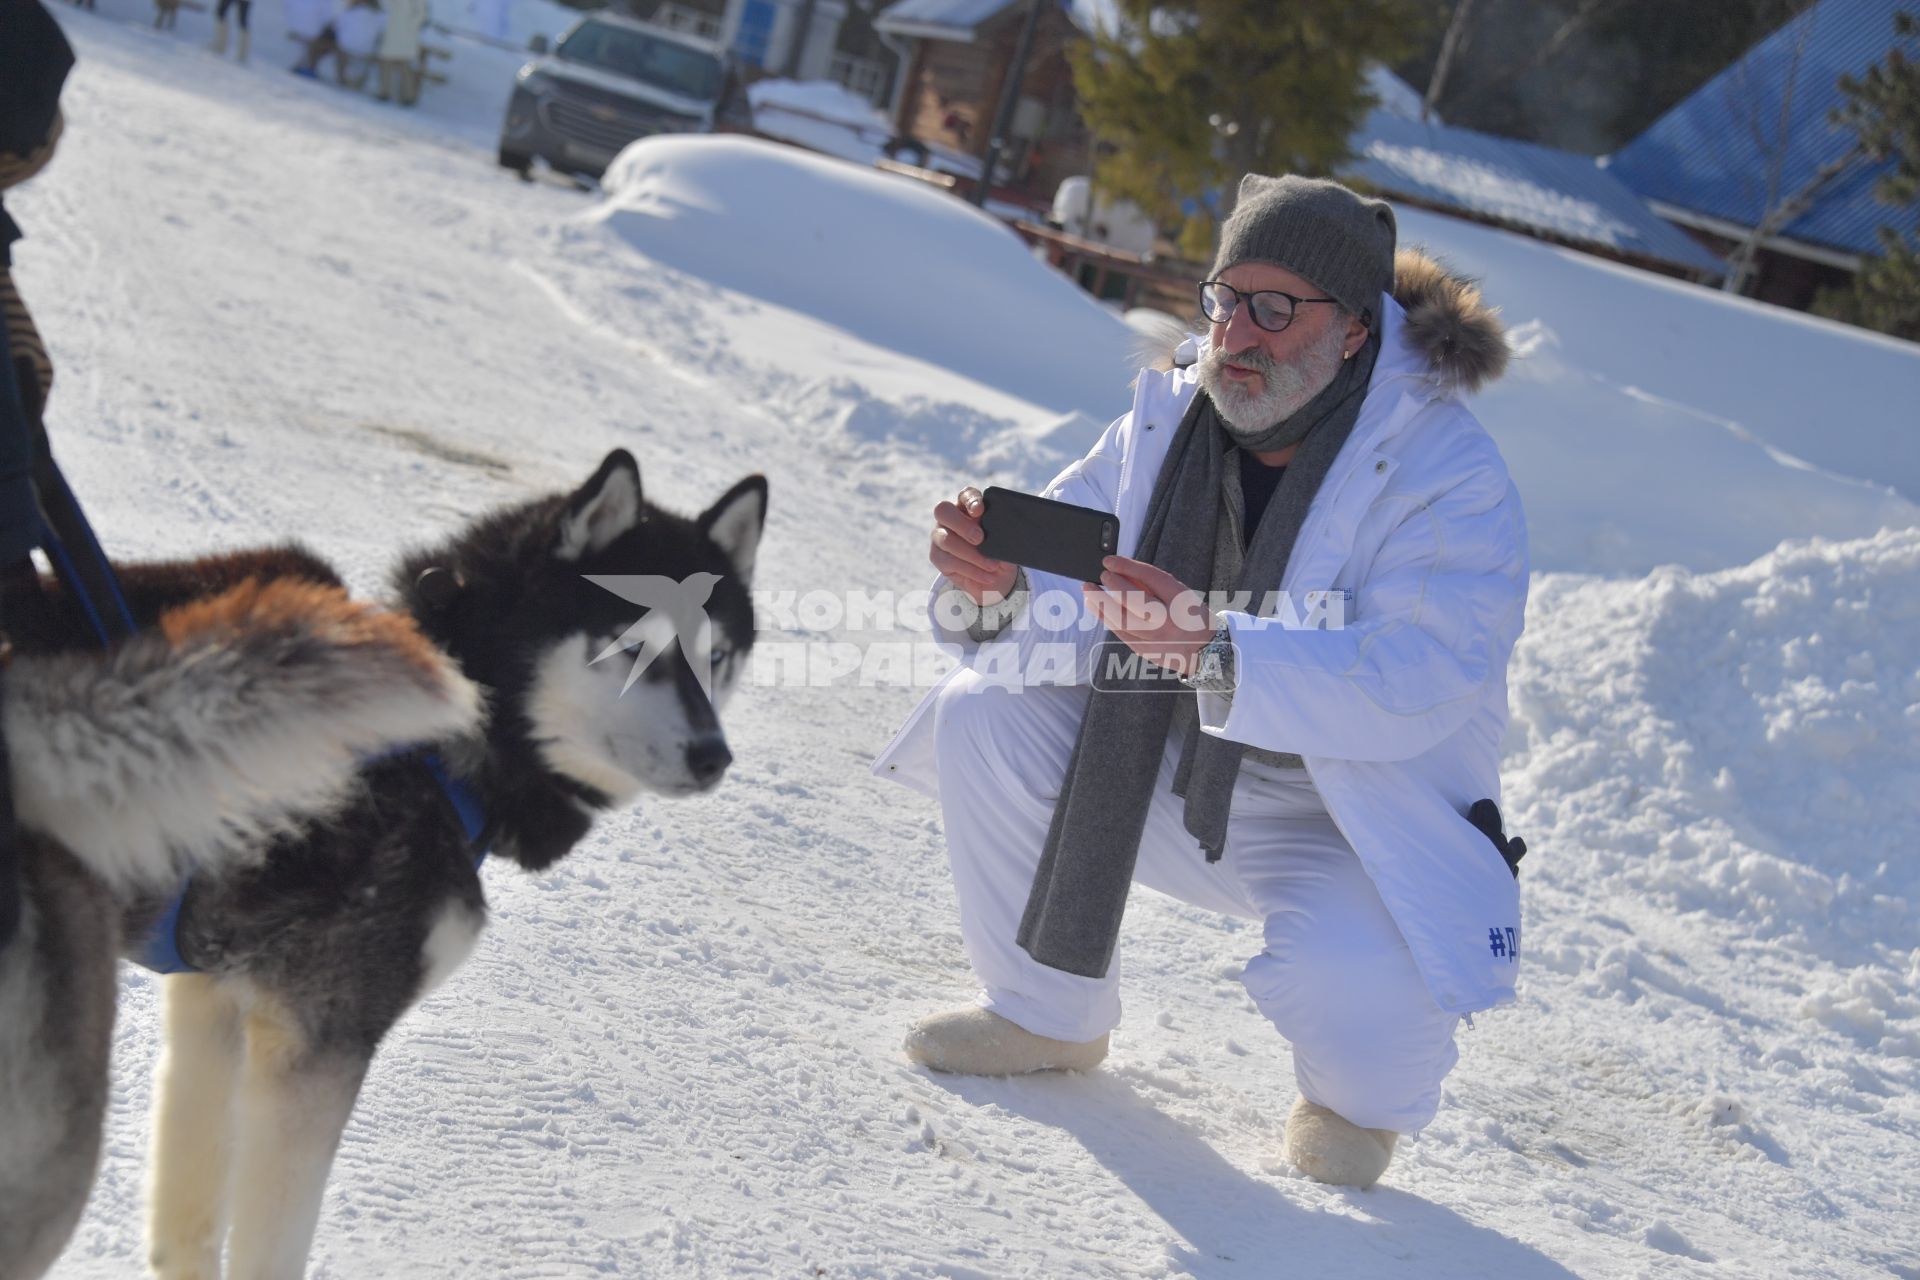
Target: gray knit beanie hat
x=1318 y=229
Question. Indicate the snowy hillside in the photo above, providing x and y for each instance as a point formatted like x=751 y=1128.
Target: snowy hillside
x=1667 y=423
x=280 y=309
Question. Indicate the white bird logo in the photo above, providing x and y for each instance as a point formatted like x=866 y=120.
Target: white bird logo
x=676 y=610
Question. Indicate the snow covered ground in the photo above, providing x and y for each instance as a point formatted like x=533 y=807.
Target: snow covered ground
x=280 y=309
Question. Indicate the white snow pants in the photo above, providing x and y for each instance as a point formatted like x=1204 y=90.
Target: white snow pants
x=1334 y=976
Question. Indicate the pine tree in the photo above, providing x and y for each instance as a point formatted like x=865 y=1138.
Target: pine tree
x=1884 y=110
x=1186 y=96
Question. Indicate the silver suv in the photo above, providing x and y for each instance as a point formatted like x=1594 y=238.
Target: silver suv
x=609 y=81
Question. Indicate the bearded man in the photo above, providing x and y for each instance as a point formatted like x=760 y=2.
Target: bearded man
x=1304 y=754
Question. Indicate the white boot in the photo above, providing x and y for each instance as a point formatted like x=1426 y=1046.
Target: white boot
x=219 y=44
x=1330 y=1149
x=977 y=1042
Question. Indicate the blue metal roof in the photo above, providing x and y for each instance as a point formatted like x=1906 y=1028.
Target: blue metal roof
x=1714 y=153
x=1522 y=184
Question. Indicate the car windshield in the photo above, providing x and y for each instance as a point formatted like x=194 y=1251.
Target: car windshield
x=635 y=54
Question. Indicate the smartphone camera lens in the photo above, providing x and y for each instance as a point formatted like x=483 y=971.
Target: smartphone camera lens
x=1106 y=536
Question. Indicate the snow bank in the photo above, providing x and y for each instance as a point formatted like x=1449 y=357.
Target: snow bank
x=1617 y=480
x=1715 y=773
x=892 y=261
x=1743 y=744
x=1837 y=397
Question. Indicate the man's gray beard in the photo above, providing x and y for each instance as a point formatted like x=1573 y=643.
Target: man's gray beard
x=1283 y=390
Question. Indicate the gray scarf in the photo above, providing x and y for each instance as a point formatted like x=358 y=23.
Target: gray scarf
x=1079 y=894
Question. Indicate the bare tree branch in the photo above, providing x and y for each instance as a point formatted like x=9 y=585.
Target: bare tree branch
x=1588 y=10
x=1449 y=46
x=1781 y=215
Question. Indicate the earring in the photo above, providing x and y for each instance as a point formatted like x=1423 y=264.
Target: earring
x=1346 y=355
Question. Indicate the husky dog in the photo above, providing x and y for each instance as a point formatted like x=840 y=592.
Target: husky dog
x=307 y=958
x=183 y=749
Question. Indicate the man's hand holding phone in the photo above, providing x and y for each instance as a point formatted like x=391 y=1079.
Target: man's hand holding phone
x=1152 y=612
x=955 y=550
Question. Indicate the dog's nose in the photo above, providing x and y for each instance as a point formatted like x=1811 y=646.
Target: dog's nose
x=708 y=758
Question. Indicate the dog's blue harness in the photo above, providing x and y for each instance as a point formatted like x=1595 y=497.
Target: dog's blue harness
x=466 y=805
x=160 y=951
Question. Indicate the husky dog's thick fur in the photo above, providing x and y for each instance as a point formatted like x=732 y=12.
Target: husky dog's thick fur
x=308 y=957
x=183 y=749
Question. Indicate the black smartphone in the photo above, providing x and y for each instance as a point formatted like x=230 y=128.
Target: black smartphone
x=1040 y=533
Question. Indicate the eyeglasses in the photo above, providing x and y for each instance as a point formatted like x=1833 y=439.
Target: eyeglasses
x=1271 y=309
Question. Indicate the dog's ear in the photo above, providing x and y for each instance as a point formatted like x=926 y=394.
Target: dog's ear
x=604 y=508
x=736 y=520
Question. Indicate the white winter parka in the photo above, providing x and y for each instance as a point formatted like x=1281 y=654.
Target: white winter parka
x=1399 y=713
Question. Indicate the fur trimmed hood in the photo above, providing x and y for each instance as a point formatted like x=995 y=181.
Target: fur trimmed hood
x=1446 y=322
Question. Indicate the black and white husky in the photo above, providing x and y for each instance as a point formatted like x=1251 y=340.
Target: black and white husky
x=307 y=958
x=242 y=712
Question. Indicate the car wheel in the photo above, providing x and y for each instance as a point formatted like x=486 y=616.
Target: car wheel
x=518 y=161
